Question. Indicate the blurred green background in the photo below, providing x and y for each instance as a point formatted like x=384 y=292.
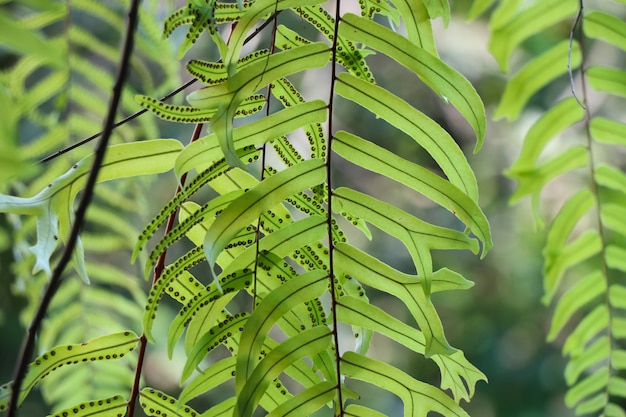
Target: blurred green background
x=500 y=323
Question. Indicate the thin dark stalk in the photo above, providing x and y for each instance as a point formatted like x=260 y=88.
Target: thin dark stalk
x=140 y=112
x=572 y=33
x=28 y=343
x=158 y=270
x=329 y=218
x=263 y=166
x=115 y=125
x=594 y=188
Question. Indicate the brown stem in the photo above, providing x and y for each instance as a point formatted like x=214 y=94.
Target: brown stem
x=158 y=270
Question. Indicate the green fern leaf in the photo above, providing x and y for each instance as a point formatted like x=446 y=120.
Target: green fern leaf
x=457 y=374
x=608 y=80
x=306 y=402
x=226 y=97
x=479 y=7
x=561 y=116
x=306 y=343
x=377 y=159
x=418 y=236
x=438 y=8
x=347 y=55
x=255 y=133
x=185 y=114
x=232 y=326
x=113 y=346
x=216 y=374
x=405 y=287
x=576 y=297
x=535 y=75
x=259 y=10
x=157 y=403
x=422 y=129
x=263 y=197
x=509 y=33
x=418 y=398
x=558 y=254
x=107 y=407
x=599 y=25
x=273 y=307
x=417 y=22
x=437 y=75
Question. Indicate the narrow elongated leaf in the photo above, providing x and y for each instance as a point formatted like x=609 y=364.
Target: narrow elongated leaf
x=266 y=195
x=232 y=326
x=282 y=242
x=203 y=216
x=436 y=74
x=478 y=8
x=347 y=54
x=255 y=133
x=355 y=410
x=227 y=96
x=608 y=131
x=588 y=328
x=271 y=309
x=418 y=236
x=307 y=401
x=588 y=386
x=186 y=114
x=432 y=137
x=157 y=403
x=225 y=408
x=382 y=161
x=107 y=407
x=407 y=288
x=439 y=8
x=616 y=257
x=211 y=377
x=608 y=80
x=539 y=16
x=306 y=343
x=532 y=182
x=574 y=299
x=610 y=177
x=417 y=21
x=599 y=25
x=457 y=374
x=206 y=308
x=419 y=398
x=613 y=216
x=113 y=346
x=597 y=351
x=259 y=10
x=582 y=248
x=547 y=127
x=535 y=75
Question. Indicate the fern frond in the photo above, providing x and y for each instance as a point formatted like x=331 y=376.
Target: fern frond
x=583 y=253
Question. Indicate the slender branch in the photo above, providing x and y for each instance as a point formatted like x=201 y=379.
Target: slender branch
x=595 y=190
x=329 y=219
x=577 y=22
x=158 y=270
x=263 y=163
x=166 y=97
x=115 y=125
x=28 y=343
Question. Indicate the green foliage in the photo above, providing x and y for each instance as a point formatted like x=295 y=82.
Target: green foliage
x=265 y=265
x=584 y=246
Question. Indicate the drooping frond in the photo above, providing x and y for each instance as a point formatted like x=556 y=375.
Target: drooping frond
x=583 y=252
